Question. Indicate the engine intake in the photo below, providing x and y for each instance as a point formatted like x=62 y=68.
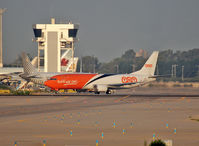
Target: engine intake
x=100 y=88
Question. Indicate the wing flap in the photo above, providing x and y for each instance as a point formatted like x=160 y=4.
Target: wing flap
x=159 y=76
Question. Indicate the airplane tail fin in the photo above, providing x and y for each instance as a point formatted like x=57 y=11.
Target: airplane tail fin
x=34 y=62
x=150 y=65
x=27 y=65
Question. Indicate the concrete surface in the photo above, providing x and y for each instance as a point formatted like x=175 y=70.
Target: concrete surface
x=29 y=120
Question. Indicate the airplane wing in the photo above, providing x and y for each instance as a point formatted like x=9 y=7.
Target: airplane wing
x=121 y=85
x=9 y=76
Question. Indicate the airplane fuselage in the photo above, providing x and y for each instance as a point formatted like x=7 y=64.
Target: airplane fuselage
x=98 y=82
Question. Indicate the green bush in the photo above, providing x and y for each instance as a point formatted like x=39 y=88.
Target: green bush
x=188 y=85
x=21 y=92
x=4 y=87
x=176 y=85
x=158 y=142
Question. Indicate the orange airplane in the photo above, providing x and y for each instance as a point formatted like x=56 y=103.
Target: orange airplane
x=105 y=82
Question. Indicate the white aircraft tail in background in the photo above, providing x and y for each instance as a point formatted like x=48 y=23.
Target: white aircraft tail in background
x=149 y=67
x=27 y=65
x=68 y=64
x=32 y=75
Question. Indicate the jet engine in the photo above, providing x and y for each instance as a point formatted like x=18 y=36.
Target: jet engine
x=100 y=88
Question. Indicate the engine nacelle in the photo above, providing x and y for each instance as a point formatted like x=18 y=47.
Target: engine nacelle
x=100 y=88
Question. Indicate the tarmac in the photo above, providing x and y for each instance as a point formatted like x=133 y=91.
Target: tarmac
x=112 y=120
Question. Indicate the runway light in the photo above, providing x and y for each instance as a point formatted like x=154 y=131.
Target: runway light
x=97 y=143
x=44 y=142
x=114 y=124
x=131 y=124
x=96 y=123
x=102 y=135
x=99 y=112
x=15 y=144
x=124 y=131
x=71 y=115
x=79 y=114
x=78 y=122
x=153 y=136
x=175 y=131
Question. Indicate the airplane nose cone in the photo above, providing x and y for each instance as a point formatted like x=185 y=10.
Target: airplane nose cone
x=46 y=83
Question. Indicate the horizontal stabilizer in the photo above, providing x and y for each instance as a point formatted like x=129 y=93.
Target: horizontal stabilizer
x=159 y=76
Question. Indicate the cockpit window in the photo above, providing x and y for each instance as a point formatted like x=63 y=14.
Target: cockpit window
x=52 y=79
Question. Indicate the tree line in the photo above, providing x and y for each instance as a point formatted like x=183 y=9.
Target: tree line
x=169 y=62
x=177 y=63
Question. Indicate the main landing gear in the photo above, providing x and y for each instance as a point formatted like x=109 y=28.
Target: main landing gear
x=107 y=92
x=97 y=92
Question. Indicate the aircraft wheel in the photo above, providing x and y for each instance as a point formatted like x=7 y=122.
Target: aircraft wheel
x=97 y=92
x=108 y=92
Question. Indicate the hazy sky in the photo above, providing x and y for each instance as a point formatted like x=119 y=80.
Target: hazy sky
x=107 y=27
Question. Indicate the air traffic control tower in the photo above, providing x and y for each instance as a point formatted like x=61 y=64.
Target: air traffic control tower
x=53 y=40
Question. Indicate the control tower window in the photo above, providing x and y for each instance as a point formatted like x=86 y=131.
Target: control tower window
x=37 y=32
x=72 y=33
x=68 y=44
x=41 y=44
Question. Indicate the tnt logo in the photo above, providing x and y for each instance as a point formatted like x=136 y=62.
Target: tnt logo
x=148 y=65
x=129 y=79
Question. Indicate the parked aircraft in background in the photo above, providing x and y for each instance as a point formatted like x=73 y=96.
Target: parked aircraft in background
x=67 y=61
x=105 y=82
x=9 y=75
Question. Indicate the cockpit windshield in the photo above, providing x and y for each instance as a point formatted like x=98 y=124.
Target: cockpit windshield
x=52 y=79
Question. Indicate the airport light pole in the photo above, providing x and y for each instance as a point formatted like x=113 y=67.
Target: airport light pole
x=133 y=67
x=173 y=71
x=175 y=65
x=183 y=73
x=93 y=64
x=1 y=49
x=117 y=68
x=72 y=56
x=198 y=69
x=81 y=67
x=157 y=70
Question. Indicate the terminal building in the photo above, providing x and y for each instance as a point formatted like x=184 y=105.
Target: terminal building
x=55 y=44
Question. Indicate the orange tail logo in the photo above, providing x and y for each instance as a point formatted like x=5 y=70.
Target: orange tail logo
x=129 y=79
x=148 y=65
